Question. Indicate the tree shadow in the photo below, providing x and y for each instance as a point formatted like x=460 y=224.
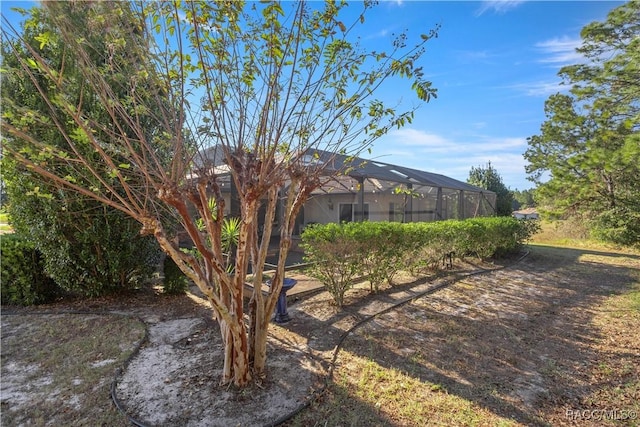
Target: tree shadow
x=514 y=341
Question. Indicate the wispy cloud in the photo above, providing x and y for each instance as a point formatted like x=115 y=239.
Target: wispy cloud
x=559 y=51
x=498 y=6
x=540 y=88
x=467 y=56
x=453 y=157
x=428 y=143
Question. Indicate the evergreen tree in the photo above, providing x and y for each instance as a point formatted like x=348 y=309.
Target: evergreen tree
x=589 y=145
x=88 y=248
x=488 y=178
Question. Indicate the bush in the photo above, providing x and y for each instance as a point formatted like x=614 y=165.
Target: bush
x=87 y=248
x=619 y=226
x=340 y=253
x=22 y=277
x=175 y=282
x=430 y=242
x=382 y=248
x=336 y=259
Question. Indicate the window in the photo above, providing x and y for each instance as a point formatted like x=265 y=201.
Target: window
x=349 y=212
x=396 y=212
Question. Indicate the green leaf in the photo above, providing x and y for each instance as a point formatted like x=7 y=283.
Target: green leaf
x=43 y=38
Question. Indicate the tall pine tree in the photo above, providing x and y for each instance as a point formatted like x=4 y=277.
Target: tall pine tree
x=589 y=146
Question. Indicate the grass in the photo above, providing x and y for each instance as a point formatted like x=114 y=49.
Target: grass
x=4 y=222
x=434 y=369
x=396 y=378
x=572 y=234
x=69 y=361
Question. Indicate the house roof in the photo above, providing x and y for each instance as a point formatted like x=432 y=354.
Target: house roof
x=380 y=176
x=380 y=171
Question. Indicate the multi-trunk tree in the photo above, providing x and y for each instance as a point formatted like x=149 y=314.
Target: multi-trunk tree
x=262 y=86
x=586 y=158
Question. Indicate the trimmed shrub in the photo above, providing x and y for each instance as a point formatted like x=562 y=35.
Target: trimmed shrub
x=385 y=249
x=335 y=256
x=377 y=251
x=88 y=249
x=22 y=275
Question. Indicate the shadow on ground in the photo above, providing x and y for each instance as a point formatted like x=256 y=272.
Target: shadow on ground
x=519 y=342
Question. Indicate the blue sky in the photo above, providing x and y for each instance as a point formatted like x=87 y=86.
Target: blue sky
x=494 y=64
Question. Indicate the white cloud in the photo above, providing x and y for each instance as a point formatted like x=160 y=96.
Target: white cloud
x=498 y=6
x=540 y=88
x=420 y=141
x=418 y=149
x=473 y=56
x=560 y=51
x=428 y=142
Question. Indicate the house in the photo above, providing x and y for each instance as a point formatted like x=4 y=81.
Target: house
x=378 y=191
x=529 y=213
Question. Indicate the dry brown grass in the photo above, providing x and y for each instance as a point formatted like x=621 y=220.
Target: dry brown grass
x=58 y=368
x=532 y=344
x=524 y=345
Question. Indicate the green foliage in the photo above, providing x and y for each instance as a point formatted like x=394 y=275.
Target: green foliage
x=524 y=199
x=382 y=255
x=619 y=226
x=23 y=280
x=586 y=158
x=335 y=257
x=427 y=245
x=87 y=249
x=175 y=282
x=488 y=178
x=341 y=253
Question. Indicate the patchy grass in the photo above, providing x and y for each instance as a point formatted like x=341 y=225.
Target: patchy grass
x=57 y=369
x=530 y=345
x=366 y=393
x=573 y=234
x=5 y=227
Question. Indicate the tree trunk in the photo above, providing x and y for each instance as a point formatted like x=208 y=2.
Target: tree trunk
x=295 y=197
x=236 y=361
x=259 y=314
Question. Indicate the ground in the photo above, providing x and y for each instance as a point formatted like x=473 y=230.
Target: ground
x=520 y=341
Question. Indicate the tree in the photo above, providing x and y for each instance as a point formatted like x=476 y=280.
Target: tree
x=264 y=89
x=524 y=199
x=88 y=248
x=488 y=178
x=589 y=146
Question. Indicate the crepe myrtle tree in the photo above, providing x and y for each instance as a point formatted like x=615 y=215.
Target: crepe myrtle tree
x=265 y=84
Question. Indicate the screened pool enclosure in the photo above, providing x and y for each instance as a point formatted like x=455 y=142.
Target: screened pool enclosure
x=375 y=191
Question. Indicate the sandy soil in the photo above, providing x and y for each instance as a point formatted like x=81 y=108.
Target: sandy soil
x=529 y=312
x=174 y=378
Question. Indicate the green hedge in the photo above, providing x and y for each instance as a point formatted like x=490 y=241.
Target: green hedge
x=340 y=253
x=22 y=277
